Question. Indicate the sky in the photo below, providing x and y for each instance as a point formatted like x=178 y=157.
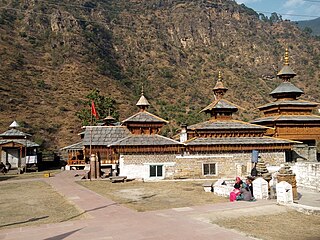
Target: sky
x=294 y=10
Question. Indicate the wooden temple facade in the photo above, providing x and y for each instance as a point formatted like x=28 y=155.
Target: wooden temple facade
x=291 y=117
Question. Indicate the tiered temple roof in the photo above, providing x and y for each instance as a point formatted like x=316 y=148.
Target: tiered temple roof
x=222 y=133
x=144 y=122
x=291 y=117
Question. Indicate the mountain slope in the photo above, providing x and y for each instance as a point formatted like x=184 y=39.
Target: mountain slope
x=313 y=24
x=54 y=52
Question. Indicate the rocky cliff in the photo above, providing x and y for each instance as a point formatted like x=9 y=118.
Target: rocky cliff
x=53 y=53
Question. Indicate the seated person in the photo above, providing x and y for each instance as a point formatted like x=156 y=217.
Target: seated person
x=238 y=183
x=245 y=194
x=3 y=168
x=236 y=191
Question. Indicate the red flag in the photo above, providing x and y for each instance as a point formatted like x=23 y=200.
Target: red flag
x=93 y=110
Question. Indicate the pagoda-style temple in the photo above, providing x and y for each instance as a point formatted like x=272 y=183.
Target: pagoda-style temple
x=144 y=153
x=17 y=150
x=130 y=148
x=291 y=117
x=223 y=143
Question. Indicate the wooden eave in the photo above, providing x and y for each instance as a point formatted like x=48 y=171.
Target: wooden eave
x=12 y=145
x=239 y=148
x=148 y=149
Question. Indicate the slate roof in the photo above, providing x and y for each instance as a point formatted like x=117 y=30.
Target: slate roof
x=286 y=87
x=220 y=104
x=286 y=70
x=14 y=133
x=291 y=118
x=301 y=103
x=144 y=117
x=104 y=135
x=75 y=146
x=225 y=125
x=146 y=140
x=237 y=141
x=19 y=141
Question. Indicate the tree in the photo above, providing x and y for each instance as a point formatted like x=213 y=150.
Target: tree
x=274 y=18
x=104 y=106
x=307 y=30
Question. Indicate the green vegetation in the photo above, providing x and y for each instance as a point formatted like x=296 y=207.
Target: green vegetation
x=53 y=54
x=104 y=106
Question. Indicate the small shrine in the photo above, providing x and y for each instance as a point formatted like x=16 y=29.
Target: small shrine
x=286 y=174
x=17 y=150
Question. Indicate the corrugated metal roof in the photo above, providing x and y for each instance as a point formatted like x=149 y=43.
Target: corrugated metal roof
x=291 y=118
x=286 y=87
x=145 y=117
x=238 y=141
x=19 y=141
x=104 y=135
x=75 y=146
x=225 y=125
x=146 y=140
x=14 y=133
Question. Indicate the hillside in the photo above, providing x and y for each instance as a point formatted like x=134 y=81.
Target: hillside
x=53 y=53
x=313 y=24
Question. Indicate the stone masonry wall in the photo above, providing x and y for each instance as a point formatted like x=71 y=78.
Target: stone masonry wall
x=303 y=152
x=307 y=174
x=191 y=166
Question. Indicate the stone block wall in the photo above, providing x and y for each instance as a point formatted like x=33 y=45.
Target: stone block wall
x=228 y=165
x=303 y=152
x=307 y=174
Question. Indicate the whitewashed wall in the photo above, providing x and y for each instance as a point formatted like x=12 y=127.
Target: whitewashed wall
x=307 y=174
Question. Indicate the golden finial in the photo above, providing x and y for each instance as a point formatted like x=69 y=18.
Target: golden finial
x=219 y=76
x=142 y=89
x=286 y=57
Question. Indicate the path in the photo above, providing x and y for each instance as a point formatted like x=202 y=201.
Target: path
x=108 y=220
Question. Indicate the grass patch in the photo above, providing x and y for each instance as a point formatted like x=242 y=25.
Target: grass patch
x=148 y=196
x=15 y=176
x=33 y=203
x=284 y=226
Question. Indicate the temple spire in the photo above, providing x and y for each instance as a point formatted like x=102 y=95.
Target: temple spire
x=143 y=103
x=219 y=90
x=286 y=58
x=286 y=72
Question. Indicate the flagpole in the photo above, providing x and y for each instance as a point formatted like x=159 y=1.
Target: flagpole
x=91 y=131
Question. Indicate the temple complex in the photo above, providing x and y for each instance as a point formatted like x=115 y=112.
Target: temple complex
x=292 y=118
x=219 y=147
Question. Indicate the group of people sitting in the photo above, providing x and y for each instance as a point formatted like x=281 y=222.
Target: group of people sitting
x=242 y=190
x=4 y=168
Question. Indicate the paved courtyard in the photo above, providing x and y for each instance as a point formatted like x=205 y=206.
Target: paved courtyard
x=108 y=220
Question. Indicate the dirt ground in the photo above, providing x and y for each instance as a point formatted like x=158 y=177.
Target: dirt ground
x=147 y=196
x=290 y=225
x=15 y=176
x=33 y=203
x=264 y=222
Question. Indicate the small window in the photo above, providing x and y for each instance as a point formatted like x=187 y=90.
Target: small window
x=155 y=170
x=209 y=169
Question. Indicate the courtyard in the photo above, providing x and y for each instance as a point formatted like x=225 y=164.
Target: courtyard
x=65 y=207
